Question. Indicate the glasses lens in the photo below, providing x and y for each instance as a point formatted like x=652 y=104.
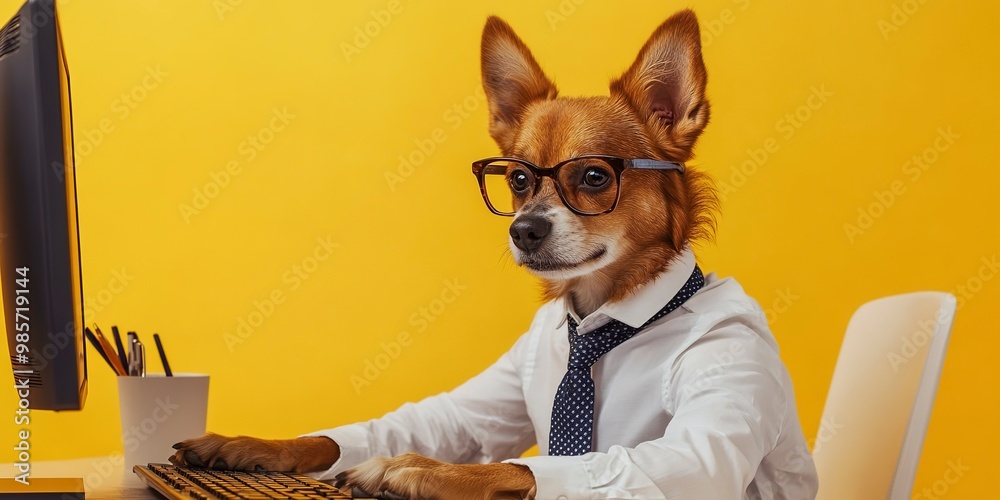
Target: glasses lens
x=508 y=185
x=589 y=185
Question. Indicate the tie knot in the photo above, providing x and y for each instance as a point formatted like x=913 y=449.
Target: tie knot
x=585 y=350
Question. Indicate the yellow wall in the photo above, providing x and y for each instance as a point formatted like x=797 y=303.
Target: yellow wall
x=206 y=76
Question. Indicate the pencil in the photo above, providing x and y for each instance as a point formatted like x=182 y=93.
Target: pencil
x=121 y=348
x=109 y=351
x=163 y=355
x=97 y=345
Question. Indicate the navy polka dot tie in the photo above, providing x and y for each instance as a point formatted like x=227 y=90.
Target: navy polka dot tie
x=572 y=429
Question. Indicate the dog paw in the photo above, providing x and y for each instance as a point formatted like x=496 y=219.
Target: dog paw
x=389 y=477
x=415 y=476
x=234 y=453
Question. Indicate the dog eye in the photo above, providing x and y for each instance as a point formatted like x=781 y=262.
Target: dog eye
x=595 y=177
x=518 y=180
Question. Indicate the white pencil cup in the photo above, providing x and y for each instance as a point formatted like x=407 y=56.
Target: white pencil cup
x=158 y=411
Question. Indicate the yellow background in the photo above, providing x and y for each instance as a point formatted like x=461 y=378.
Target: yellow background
x=893 y=82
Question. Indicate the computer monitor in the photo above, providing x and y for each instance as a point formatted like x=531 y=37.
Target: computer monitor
x=39 y=245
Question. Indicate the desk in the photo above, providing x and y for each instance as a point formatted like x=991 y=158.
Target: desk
x=103 y=477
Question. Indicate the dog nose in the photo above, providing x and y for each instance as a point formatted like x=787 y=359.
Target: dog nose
x=529 y=231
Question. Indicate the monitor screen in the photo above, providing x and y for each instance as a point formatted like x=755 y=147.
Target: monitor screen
x=39 y=243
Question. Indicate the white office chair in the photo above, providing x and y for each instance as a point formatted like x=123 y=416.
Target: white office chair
x=879 y=405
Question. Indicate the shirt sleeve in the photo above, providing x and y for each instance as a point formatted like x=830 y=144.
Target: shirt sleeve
x=483 y=420
x=727 y=396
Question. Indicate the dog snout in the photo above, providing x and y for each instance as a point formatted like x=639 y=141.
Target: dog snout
x=529 y=231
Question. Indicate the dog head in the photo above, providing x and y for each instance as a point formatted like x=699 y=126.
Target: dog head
x=656 y=110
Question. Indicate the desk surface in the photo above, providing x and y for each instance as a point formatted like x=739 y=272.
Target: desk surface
x=103 y=477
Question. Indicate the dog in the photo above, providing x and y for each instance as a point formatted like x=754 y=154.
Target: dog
x=656 y=110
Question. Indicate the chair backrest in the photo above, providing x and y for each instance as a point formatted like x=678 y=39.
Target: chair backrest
x=879 y=404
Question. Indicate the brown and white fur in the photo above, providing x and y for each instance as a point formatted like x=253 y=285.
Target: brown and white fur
x=656 y=109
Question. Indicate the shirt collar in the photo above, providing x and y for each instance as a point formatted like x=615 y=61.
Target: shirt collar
x=636 y=309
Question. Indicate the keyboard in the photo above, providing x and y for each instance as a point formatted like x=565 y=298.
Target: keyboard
x=187 y=483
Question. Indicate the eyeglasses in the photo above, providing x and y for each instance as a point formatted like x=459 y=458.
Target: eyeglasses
x=588 y=185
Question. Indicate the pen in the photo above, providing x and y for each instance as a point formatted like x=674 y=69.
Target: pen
x=163 y=355
x=118 y=343
x=133 y=354
x=130 y=348
x=142 y=359
x=137 y=357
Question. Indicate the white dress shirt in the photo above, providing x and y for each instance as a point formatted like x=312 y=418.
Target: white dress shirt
x=698 y=405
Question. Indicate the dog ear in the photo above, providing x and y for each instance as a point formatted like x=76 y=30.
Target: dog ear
x=511 y=78
x=666 y=84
